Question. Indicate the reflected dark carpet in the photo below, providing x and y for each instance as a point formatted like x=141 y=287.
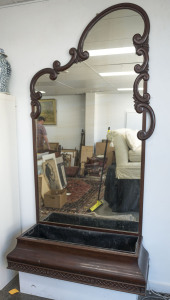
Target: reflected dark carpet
x=84 y=194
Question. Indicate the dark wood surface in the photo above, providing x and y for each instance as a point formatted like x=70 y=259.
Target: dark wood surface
x=126 y=272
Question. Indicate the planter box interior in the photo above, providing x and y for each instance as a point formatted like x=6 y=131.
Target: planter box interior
x=88 y=238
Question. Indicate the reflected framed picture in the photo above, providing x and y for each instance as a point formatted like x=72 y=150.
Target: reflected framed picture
x=54 y=172
x=54 y=146
x=49 y=111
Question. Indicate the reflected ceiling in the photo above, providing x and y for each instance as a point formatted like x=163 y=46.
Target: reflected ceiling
x=17 y=2
x=85 y=77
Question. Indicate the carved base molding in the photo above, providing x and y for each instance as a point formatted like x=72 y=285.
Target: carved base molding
x=107 y=284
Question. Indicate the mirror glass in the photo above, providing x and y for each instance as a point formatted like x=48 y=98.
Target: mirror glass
x=88 y=153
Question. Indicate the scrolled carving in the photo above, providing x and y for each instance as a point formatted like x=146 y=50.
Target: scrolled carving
x=137 y=96
x=74 y=59
x=35 y=113
x=140 y=68
x=140 y=108
x=36 y=95
x=142 y=101
x=137 y=38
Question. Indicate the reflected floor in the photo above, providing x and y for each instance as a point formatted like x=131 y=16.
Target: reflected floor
x=83 y=195
x=105 y=210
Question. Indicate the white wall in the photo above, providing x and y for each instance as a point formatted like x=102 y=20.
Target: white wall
x=70 y=121
x=93 y=112
x=106 y=110
x=90 y=119
x=110 y=111
x=37 y=34
x=10 y=223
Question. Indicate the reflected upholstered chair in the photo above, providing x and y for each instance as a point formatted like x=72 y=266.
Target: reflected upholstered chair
x=122 y=190
x=127 y=152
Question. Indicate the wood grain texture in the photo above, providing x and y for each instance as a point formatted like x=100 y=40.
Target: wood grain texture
x=88 y=265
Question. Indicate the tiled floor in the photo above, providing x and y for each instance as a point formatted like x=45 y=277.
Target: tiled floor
x=14 y=284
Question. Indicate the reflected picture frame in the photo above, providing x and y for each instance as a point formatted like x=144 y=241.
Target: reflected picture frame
x=49 y=111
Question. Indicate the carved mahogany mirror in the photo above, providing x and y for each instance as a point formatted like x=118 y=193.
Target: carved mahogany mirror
x=90 y=171
x=89 y=153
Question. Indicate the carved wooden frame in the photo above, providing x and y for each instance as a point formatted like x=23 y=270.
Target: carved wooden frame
x=141 y=103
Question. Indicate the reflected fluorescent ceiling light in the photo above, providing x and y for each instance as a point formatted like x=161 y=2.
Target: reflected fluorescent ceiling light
x=112 y=51
x=42 y=92
x=128 y=89
x=117 y=73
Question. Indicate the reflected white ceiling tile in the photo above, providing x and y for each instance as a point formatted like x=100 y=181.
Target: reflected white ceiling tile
x=117 y=73
x=112 y=51
x=128 y=89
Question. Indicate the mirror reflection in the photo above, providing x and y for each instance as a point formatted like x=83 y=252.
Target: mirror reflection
x=88 y=153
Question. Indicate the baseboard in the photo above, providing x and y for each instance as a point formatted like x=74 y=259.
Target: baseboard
x=59 y=289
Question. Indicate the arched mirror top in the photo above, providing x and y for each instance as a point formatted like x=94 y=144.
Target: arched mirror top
x=138 y=38
x=140 y=41
x=99 y=75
